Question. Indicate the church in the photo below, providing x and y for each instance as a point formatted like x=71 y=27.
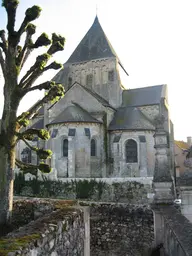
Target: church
x=100 y=129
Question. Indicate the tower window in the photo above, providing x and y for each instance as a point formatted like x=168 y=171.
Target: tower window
x=65 y=147
x=93 y=147
x=111 y=75
x=69 y=81
x=89 y=80
x=131 y=151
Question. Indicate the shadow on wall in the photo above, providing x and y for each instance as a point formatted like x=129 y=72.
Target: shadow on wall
x=157 y=251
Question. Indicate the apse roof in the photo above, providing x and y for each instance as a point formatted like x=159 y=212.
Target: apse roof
x=74 y=113
x=130 y=118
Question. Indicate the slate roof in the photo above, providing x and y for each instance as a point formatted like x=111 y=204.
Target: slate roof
x=130 y=118
x=94 y=45
x=38 y=125
x=74 y=113
x=144 y=96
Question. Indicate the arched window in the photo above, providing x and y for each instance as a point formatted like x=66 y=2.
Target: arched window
x=131 y=151
x=65 y=147
x=89 y=80
x=93 y=147
x=26 y=155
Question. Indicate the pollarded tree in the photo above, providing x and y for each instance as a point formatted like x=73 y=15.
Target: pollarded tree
x=12 y=58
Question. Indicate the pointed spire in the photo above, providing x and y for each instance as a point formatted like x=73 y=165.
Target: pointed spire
x=94 y=45
x=96 y=20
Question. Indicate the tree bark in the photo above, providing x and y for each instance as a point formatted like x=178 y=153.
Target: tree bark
x=8 y=138
x=6 y=186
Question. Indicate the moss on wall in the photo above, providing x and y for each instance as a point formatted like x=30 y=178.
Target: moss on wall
x=13 y=244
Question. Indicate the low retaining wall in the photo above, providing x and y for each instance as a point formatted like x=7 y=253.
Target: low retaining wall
x=65 y=232
x=127 y=190
x=120 y=229
x=173 y=230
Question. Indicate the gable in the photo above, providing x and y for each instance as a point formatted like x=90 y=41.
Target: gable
x=77 y=94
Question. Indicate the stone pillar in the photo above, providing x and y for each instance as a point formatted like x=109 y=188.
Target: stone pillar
x=162 y=180
x=186 y=201
x=71 y=157
x=87 y=231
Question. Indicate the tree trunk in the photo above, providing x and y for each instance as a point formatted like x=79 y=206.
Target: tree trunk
x=8 y=138
x=6 y=185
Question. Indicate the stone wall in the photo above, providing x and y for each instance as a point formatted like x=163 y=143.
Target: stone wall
x=121 y=230
x=173 y=230
x=64 y=231
x=98 y=68
x=79 y=159
x=146 y=152
x=132 y=190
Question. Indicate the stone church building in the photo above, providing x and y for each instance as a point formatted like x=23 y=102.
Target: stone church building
x=100 y=129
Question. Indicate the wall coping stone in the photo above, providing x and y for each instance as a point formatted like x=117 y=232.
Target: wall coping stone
x=180 y=226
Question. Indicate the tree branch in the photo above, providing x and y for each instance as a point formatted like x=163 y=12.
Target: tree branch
x=41 y=133
x=3 y=44
x=11 y=7
x=55 y=93
x=46 y=86
x=35 y=71
x=27 y=168
x=20 y=58
x=30 y=15
x=31 y=147
x=2 y=63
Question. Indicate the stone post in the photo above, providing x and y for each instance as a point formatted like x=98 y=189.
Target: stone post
x=162 y=180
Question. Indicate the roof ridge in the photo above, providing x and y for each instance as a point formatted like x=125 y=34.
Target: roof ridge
x=150 y=86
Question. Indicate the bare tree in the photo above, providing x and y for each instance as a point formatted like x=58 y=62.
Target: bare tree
x=12 y=58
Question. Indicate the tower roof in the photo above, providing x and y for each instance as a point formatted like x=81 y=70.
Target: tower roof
x=94 y=45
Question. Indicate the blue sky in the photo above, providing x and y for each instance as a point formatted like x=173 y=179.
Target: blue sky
x=152 y=38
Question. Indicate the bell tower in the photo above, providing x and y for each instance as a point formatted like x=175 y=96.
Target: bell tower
x=94 y=64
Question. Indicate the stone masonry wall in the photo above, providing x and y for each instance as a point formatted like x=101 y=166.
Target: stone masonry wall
x=124 y=190
x=123 y=230
x=61 y=232
x=145 y=151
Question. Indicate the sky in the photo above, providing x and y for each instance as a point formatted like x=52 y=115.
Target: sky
x=153 y=40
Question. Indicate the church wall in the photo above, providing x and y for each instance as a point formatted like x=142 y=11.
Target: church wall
x=99 y=68
x=145 y=153
x=79 y=163
x=79 y=95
